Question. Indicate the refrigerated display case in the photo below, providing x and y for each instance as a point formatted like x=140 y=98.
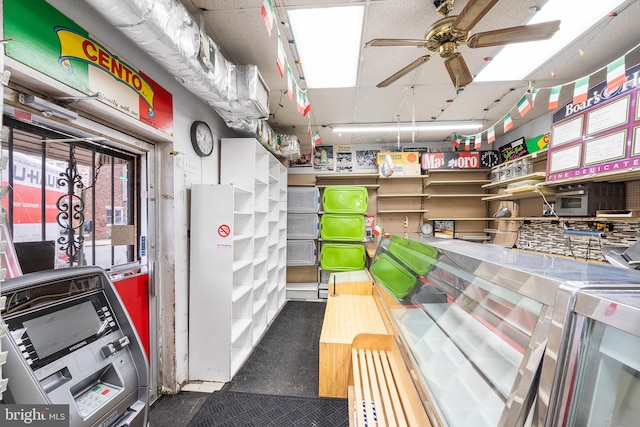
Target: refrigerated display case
x=597 y=377
x=475 y=320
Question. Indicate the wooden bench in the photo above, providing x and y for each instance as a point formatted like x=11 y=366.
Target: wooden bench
x=380 y=389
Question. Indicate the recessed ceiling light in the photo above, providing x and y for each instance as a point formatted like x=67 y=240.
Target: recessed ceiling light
x=328 y=40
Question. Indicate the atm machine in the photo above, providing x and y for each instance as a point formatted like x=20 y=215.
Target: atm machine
x=70 y=341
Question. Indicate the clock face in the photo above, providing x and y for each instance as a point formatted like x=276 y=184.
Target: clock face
x=201 y=138
x=426 y=229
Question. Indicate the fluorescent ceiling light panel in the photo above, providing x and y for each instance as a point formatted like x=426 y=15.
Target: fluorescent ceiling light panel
x=407 y=127
x=328 y=41
x=516 y=61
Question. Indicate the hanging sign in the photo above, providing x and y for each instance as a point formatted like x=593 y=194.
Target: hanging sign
x=460 y=160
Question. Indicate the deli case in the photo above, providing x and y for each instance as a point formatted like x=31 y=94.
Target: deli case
x=492 y=337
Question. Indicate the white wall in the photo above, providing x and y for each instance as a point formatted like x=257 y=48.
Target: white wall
x=174 y=181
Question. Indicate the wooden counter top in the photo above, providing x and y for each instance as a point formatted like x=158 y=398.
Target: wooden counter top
x=345 y=317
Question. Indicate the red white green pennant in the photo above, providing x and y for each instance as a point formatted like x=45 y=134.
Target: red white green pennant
x=478 y=141
x=580 y=90
x=268 y=15
x=616 y=74
x=508 y=123
x=455 y=141
x=491 y=135
x=534 y=93
x=281 y=57
x=467 y=143
x=523 y=106
x=290 y=82
x=554 y=97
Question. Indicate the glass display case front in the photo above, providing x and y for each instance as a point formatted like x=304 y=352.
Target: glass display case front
x=475 y=320
x=603 y=357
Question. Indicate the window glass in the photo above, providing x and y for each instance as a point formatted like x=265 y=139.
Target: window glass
x=70 y=193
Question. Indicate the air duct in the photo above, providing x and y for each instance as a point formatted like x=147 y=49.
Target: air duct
x=165 y=30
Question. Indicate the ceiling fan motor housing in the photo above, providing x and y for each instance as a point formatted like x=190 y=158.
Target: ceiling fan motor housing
x=440 y=38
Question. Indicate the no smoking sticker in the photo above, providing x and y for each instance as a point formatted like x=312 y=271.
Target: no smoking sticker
x=224 y=230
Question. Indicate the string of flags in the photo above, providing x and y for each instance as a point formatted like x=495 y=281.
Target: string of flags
x=615 y=78
x=282 y=63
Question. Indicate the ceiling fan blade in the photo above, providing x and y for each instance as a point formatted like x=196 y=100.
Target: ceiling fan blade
x=397 y=42
x=458 y=70
x=522 y=33
x=412 y=66
x=471 y=14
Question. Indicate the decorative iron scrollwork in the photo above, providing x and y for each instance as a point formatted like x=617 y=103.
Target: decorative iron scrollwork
x=70 y=216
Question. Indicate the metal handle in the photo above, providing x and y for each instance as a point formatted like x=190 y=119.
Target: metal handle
x=571 y=193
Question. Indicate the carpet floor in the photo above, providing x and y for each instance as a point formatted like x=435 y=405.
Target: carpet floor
x=283 y=364
x=285 y=361
x=239 y=409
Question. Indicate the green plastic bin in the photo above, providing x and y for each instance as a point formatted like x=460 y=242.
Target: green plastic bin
x=417 y=256
x=342 y=256
x=342 y=228
x=392 y=275
x=345 y=200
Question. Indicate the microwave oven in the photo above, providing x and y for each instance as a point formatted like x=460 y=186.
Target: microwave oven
x=586 y=199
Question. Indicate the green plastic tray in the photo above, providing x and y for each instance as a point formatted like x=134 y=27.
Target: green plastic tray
x=342 y=228
x=345 y=200
x=417 y=256
x=342 y=256
x=392 y=275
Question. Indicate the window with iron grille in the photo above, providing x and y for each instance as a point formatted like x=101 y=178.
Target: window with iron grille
x=75 y=192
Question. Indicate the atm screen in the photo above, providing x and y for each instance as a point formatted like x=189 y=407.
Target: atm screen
x=61 y=329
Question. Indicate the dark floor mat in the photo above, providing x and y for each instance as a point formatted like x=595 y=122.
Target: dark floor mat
x=231 y=409
x=285 y=361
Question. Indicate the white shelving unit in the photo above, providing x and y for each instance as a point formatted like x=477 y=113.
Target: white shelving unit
x=238 y=259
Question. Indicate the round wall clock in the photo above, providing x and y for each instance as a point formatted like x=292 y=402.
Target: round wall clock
x=426 y=229
x=201 y=138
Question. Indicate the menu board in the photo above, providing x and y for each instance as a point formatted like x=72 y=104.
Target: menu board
x=566 y=132
x=609 y=116
x=599 y=136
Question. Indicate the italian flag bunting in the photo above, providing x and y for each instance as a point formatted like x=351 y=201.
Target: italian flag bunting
x=467 y=143
x=523 y=106
x=299 y=100
x=616 y=74
x=554 y=96
x=307 y=106
x=289 y=83
x=302 y=102
x=316 y=139
x=580 y=90
x=508 y=123
x=491 y=135
x=267 y=15
x=534 y=93
x=478 y=142
x=455 y=141
x=280 y=59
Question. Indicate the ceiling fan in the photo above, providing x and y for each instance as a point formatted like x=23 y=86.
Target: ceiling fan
x=446 y=34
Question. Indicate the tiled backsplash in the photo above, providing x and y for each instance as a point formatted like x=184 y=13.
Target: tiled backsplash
x=546 y=236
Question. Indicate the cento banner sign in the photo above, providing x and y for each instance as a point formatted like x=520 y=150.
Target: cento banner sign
x=51 y=43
